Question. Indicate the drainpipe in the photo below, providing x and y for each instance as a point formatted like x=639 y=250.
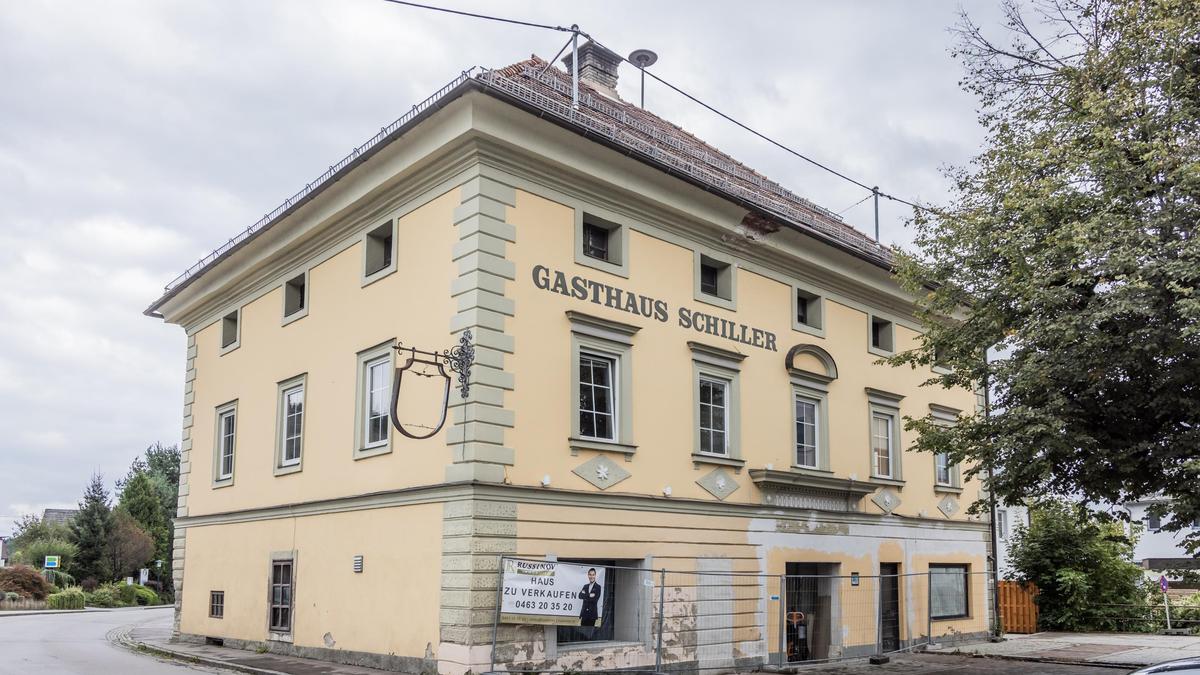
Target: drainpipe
x=998 y=626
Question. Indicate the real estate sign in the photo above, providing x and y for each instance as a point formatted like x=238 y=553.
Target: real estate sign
x=51 y=562
x=551 y=593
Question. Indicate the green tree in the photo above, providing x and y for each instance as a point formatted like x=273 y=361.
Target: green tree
x=1072 y=240
x=142 y=500
x=161 y=466
x=1081 y=565
x=129 y=546
x=30 y=529
x=91 y=529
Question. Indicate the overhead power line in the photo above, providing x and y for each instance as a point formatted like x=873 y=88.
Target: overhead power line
x=874 y=191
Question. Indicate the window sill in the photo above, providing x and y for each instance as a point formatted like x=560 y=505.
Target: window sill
x=222 y=482
x=810 y=470
x=881 y=352
x=279 y=637
x=715 y=300
x=596 y=646
x=290 y=468
x=603 y=265
x=364 y=453
x=577 y=443
x=701 y=458
x=805 y=328
x=952 y=489
x=294 y=316
x=956 y=617
x=880 y=480
x=232 y=347
x=371 y=278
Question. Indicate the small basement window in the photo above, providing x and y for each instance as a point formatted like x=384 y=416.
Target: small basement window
x=230 y=329
x=882 y=335
x=716 y=278
x=379 y=253
x=295 y=292
x=808 y=309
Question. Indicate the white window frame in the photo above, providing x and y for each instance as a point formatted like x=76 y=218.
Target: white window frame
x=885 y=404
x=1002 y=524
x=890 y=421
x=381 y=353
x=606 y=339
x=221 y=478
x=945 y=416
x=612 y=362
x=817 y=429
x=724 y=366
x=284 y=465
x=713 y=383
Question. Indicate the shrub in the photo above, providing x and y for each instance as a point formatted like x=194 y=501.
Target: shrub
x=25 y=582
x=11 y=597
x=89 y=584
x=127 y=594
x=145 y=596
x=104 y=596
x=72 y=598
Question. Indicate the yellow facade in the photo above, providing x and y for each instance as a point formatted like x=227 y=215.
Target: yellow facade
x=485 y=198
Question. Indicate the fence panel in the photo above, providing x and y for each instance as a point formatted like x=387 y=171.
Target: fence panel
x=1018 y=607
x=718 y=618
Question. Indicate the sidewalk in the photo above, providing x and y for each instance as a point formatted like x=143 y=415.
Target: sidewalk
x=155 y=637
x=1118 y=649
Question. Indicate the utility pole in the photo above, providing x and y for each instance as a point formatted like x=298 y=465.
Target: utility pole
x=875 y=193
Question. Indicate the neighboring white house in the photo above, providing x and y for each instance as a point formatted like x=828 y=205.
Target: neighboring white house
x=1007 y=520
x=1158 y=549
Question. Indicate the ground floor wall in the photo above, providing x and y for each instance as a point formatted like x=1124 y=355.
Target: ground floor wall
x=722 y=580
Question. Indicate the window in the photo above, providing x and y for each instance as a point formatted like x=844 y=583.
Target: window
x=230 y=330
x=281 y=596
x=595 y=241
x=948 y=591
x=216 y=604
x=881 y=445
x=295 y=297
x=623 y=606
x=597 y=416
x=941 y=464
x=291 y=423
x=806 y=432
x=1153 y=522
x=378 y=397
x=882 y=335
x=379 y=252
x=226 y=443
x=715 y=279
x=601 y=244
x=1002 y=524
x=601 y=377
x=372 y=435
x=884 y=431
x=809 y=311
x=713 y=416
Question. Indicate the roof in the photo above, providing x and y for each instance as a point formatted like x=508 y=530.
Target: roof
x=60 y=516
x=547 y=92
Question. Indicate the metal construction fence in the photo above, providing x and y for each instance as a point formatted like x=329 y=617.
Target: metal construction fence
x=716 y=618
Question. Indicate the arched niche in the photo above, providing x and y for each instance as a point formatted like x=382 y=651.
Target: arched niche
x=811 y=361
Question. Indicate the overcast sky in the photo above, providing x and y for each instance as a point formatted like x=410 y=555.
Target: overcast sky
x=137 y=136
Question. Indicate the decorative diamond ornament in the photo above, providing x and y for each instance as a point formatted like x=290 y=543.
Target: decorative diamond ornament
x=886 y=500
x=718 y=483
x=948 y=506
x=601 y=472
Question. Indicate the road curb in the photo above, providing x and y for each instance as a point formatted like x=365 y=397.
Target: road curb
x=1042 y=659
x=122 y=637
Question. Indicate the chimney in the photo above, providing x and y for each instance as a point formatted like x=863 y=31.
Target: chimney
x=598 y=67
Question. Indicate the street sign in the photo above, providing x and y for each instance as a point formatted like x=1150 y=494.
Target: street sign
x=1162 y=583
x=51 y=562
x=143 y=576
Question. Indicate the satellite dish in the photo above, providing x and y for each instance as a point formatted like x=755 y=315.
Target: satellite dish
x=642 y=58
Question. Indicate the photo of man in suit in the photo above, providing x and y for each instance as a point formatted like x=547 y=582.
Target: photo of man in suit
x=590 y=596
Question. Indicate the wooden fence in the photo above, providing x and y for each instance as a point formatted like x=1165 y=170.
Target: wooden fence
x=1018 y=607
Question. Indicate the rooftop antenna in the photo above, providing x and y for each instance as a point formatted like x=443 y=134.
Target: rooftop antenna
x=643 y=58
x=574 y=66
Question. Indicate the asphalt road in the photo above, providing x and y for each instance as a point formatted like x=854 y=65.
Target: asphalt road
x=77 y=643
x=945 y=664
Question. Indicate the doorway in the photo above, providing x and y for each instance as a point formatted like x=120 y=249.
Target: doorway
x=808 y=610
x=889 y=607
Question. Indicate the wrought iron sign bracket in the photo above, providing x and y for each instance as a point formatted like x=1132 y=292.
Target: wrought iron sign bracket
x=459 y=359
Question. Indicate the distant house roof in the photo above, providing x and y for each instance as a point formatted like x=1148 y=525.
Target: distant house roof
x=548 y=93
x=58 y=516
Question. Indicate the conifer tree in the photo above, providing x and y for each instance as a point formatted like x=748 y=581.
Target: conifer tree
x=90 y=532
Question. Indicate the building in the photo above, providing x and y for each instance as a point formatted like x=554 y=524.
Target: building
x=58 y=516
x=1008 y=520
x=675 y=368
x=1158 y=549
